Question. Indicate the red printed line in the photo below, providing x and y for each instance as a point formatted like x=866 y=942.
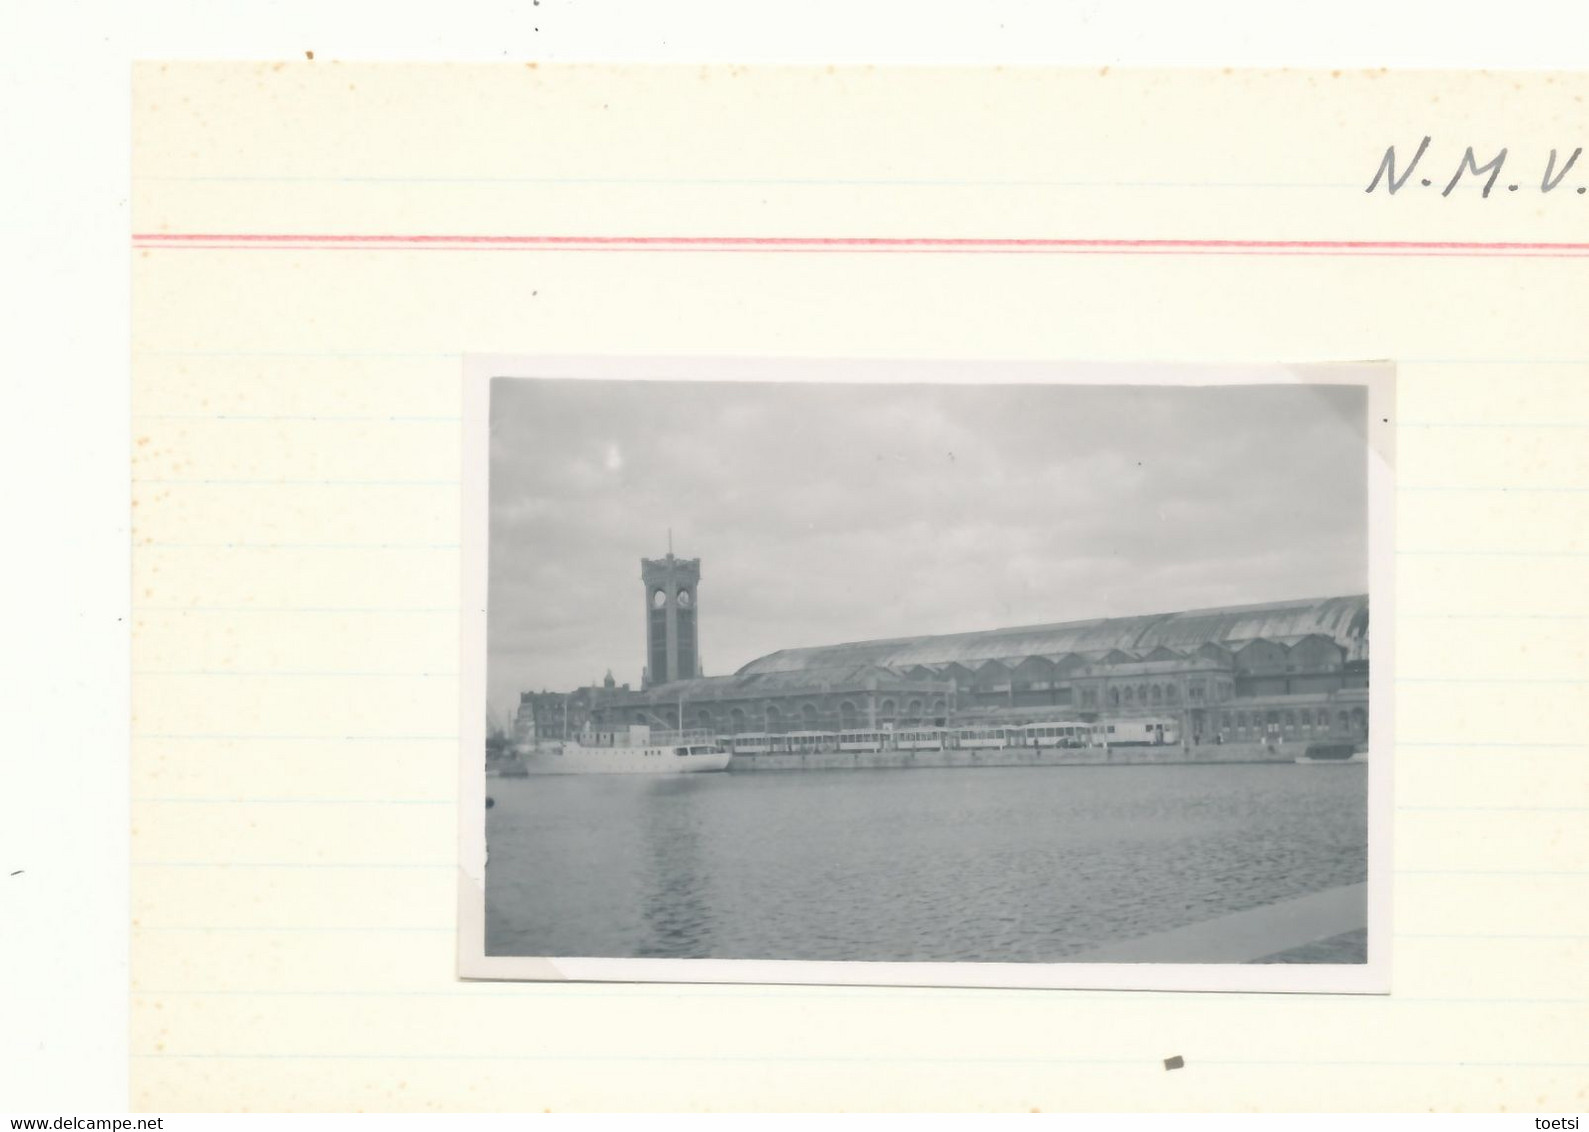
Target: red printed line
x=928 y=244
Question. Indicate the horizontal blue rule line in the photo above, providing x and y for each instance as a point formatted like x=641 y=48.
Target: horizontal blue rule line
x=1485 y=680
x=227 y=735
x=1479 y=489
x=752 y=182
x=1459 y=488
x=208 y=800
x=1414 y=552
x=1437 y=809
x=1491 y=872
x=1493 y=424
x=1486 y=616
x=451 y=929
x=294 y=483
x=277 y=609
x=437 y=418
x=1489 y=745
x=315 y=674
x=859 y=1059
x=330 y=417
x=389 y=355
x=293 y=865
x=451 y=609
x=401 y=865
x=1498 y=744
x=1568 y=936
x=357 y=673
x=250 y=929
x=213 y=800
x=738 y=1059
x=1492 y=681
x=713 y=991
x=153 y=544
x=456 y=356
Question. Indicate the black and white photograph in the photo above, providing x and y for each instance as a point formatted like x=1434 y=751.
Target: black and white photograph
x=980 y=674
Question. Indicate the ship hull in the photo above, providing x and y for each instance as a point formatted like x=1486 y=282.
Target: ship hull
x=623 y=760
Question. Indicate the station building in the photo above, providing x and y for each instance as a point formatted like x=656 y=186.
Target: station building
x=547 y=715
x=1291 y=670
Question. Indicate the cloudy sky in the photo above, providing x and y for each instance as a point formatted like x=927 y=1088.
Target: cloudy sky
x=828 y=512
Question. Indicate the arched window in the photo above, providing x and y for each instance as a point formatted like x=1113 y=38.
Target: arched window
x=703 y=719
x=1291 y=721
x=1130 y=693
x=1359 y=721
x=736 y=720
x=847 y=716
x=808 y=717
x=1156 y=694
x=937 y=707
x=1142 y=693
x=1171 y=693
x=913 y=711
x=886 y=709
x=1324 y=720
x=1114 y=696
x=774 y=718
x=1341 y=722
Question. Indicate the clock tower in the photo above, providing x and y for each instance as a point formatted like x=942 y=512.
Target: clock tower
x=672 y=641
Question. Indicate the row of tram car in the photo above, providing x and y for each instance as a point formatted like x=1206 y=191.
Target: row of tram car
x=1068 y=733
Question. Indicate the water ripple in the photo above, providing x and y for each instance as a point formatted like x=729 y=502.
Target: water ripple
x=1009 y=864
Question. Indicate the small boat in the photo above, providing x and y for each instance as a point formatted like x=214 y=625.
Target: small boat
x=636 y=750
x=1331 y=752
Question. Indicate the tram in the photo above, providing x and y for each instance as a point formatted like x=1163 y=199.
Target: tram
x=1149 y=732
x=1142 y=733
x=1066 y=733
x=752 y=743
x=985 y=738
x=863 y=740
x=919 y=739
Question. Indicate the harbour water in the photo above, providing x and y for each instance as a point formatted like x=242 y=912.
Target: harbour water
x=1002 y=864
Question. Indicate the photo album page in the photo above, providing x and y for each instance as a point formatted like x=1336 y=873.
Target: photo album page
x=724 y=588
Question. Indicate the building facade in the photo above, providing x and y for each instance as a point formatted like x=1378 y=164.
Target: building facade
x=1295 y=670
x=547 y=716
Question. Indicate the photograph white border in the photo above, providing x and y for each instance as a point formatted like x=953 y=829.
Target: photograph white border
x=1372 y=977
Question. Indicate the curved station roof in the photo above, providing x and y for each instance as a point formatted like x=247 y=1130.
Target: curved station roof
x=1343 y=620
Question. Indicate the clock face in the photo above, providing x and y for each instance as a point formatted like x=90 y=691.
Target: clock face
x=684 y=599
x=658 y=600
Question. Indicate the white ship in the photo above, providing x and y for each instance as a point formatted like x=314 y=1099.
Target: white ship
x=636 y=750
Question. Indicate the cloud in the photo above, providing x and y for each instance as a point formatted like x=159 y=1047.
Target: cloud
x=825 y=513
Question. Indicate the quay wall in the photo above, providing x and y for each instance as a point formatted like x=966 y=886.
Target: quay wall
x=1016 y=756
